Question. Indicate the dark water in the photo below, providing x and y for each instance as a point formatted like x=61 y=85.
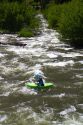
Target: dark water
x=63 y=65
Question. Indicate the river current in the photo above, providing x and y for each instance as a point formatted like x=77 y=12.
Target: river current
x=63 y=66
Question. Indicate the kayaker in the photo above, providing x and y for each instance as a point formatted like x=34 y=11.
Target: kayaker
x=38 y=76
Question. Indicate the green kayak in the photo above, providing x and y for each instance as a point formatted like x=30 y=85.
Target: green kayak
x=35 y=86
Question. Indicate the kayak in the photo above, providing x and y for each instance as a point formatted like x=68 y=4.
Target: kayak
x=35 y=86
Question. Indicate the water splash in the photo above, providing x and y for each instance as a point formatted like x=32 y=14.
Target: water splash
x=27 y=91
x=3 y=118
x=69 y=110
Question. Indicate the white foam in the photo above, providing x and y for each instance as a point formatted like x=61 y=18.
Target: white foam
x=25 y=90
x=1 y=78
x=69 y=110
x=81 y=62
x=79 y=76
x=72 y=54
x=3 y=118
x=1 y=55
x=60 y=64
x=52 y=55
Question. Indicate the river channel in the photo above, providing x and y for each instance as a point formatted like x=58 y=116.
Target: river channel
x=62 y=65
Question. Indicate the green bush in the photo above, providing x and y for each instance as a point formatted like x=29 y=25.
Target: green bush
x=67 y=18
x=71 y=21
x=53 y=14
x=15 y=16
x=25 y=32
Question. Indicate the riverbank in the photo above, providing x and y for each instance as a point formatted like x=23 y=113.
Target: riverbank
x=67 y=19
x=21 y=18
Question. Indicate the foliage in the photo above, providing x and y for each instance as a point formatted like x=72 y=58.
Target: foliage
x=67 y=18
x=25 y=32
x=71 y=21
x=53 y=14
x=15 y=16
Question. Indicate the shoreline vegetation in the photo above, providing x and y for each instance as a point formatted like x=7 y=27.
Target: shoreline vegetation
x=65 y=16
x=18 y=17
x=67 y=19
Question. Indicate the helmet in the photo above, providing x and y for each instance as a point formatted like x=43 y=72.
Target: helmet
x=38 y=75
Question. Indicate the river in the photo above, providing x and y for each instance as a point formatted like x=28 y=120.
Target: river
x=63 y=66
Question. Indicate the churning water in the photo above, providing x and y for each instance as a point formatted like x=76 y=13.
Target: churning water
x=63 y=65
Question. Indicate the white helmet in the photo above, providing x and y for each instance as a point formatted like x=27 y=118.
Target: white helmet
x=38 y=74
